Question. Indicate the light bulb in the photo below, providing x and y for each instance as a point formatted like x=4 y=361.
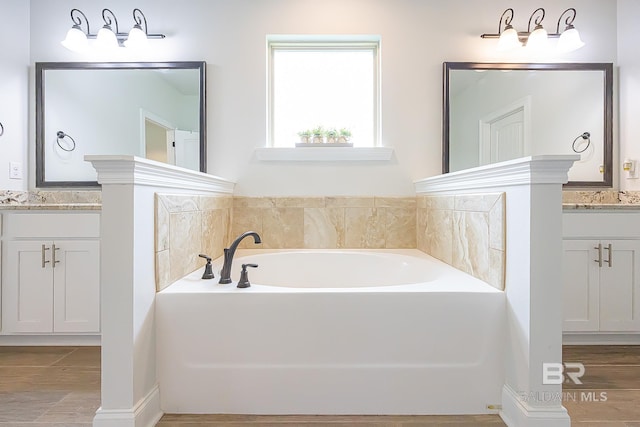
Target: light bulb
x=569 y=40
x=76 y=40
x=137 y=38
x=537 y=39
x=509 y=39
x=106 y=39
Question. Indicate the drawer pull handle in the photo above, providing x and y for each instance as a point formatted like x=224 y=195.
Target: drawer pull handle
x=44 y=257
x=599 y=260
x=53 y=256
x=610 y=251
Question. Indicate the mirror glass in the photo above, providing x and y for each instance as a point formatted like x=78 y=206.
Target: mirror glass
x=151 y=110
x=498 y=112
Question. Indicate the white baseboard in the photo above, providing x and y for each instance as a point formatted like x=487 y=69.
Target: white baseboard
x=518 y=413
x=50 y=340
x=600 y=339
x=146 y=413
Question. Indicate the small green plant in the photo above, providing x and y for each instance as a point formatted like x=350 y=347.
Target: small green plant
x=345 y=133
x=304 y=133
x=319 y=131
x=332 y=133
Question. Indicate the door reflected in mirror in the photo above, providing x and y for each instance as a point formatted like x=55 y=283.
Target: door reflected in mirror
x=499 y=112
x=151 y=110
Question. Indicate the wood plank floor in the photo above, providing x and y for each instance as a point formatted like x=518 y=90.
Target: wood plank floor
x=60 y=386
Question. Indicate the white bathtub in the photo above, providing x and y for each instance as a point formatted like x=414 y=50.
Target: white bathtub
x=332 y=332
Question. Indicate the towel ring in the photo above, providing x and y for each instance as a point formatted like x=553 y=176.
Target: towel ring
x=1 y=129
x=586 y=136
x=62 y=135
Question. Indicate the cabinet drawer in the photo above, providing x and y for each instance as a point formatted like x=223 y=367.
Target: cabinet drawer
x=52 y=225
x=601 y=225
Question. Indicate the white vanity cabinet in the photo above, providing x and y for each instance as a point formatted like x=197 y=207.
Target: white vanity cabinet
x=601 y=271
x=51 y=273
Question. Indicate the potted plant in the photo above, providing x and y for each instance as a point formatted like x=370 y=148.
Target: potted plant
x=332 y=136
x=344 y=136
x=318 y=135
x=304 y=136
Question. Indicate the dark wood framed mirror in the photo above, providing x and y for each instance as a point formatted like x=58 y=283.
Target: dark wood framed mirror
x=499 y=111
x=155 y=110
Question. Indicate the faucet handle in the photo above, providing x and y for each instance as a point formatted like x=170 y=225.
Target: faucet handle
x=208 y=269
x=244 y=276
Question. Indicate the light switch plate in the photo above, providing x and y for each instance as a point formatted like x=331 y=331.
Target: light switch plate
x=15 y=170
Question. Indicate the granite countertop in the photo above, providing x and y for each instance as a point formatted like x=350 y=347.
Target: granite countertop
x=50 y=207
x=601 y=206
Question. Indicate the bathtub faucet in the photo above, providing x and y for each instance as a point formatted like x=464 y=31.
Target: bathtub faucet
x=225 y=274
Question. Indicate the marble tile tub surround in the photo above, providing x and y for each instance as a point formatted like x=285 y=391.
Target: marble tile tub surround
x=465 y=231
x=185 y=226
x=327 y=222
x=56 y=197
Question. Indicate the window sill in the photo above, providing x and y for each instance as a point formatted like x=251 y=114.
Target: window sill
x=324 y=154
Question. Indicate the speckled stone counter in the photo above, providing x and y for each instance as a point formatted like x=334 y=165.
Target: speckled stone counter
x=50 y=207
x=601 y=200
x=11 y=200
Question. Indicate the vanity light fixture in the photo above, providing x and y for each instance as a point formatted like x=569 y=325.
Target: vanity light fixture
x=108 y=38
x=537 y=39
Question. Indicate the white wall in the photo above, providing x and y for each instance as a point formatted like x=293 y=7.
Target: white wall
x=14 y=90
x=417 y=37
x=629 y=61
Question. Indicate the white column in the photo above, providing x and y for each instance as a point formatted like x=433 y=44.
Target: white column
x=130 y=396
x=533 y=287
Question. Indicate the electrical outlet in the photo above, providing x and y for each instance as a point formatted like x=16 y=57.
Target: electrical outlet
x=15 y=170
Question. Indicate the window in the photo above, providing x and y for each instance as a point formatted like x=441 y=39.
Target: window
x=334 y=85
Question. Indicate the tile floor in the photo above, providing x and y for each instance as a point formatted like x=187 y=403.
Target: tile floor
x=60 y=387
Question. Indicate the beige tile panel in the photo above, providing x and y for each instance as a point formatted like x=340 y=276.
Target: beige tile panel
x=254 y=202
x=207 y=203
x=324 y=228
x=440 y=202
x=395 y=202
x=215 y=232
x=185 y=243
x=161 y=226
x=246 y=219
x=400 y=228
x=439 y=234
x=179 y=202
x=163 y=269
x=476 y=202
x=365 y=228
x=349 y=202
x=300 y=202
x=470 y=243
x=422 y=243
x=497 y=224
x=283 y=228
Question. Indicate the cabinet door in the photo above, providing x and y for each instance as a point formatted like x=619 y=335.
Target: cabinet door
x=580 y=285
x=27 y=288
x=619 y=293
x=76 y=281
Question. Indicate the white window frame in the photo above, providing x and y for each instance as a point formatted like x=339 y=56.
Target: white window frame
x=328 y=43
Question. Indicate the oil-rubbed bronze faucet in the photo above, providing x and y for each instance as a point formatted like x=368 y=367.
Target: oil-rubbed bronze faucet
x=225 y=274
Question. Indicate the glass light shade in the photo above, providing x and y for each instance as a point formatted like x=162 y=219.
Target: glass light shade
x=106 y=39
x=137 y=38
x=569 y=40
x=537 y=39
x=76 y=40
x=509 y=39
